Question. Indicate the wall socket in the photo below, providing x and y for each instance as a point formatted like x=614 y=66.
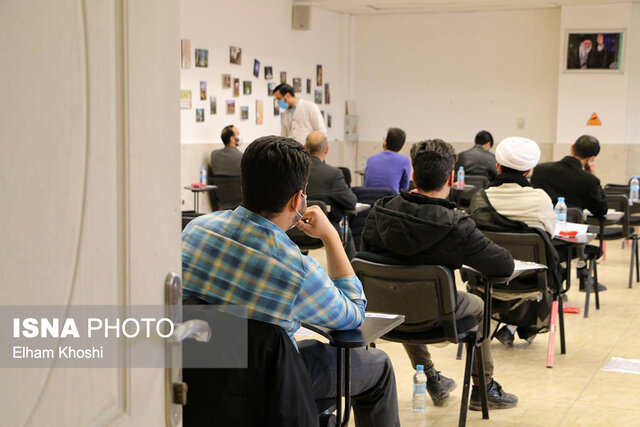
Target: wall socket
x=520 y=122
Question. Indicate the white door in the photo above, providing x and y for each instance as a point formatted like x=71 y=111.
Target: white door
x=89 y=187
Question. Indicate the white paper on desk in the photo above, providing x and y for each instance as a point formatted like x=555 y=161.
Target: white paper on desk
x=581 y=229
x=526 y=265
x=362 y=205
x=587 y=212
x=380 y=315
x=304 y=333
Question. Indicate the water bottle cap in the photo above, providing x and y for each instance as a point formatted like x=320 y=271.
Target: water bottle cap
x=635 y=176
x=420 y=367
x=461 y=168
x=561 y=199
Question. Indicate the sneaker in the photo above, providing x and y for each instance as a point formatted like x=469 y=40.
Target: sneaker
x=505 y=336
x=497 y=398
x=439 y=387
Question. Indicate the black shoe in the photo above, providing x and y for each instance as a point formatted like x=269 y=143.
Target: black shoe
x=505 y=336
x=439 y=387
x=496 y=397
x=601 y=287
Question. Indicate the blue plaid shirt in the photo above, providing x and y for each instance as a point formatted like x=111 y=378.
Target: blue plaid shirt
x=239 y=258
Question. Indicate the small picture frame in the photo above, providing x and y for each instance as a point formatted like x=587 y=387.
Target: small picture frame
x=591 y=51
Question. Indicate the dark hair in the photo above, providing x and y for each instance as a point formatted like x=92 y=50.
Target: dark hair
x=432 y=161
x=483 y=137
x=284 y=89
x=586 y=146
x=273 y=168
x=227 y=133
x=511 y=170
x=395 y=139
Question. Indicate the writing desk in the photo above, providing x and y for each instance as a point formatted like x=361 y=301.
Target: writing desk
x=612 y=217
x=373 y=327
x=196 y=194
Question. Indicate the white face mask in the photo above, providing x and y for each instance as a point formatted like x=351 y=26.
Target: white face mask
x=298 y=214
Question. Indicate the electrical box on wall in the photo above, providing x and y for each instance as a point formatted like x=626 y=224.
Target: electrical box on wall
x=301 y=18
x=351 y=128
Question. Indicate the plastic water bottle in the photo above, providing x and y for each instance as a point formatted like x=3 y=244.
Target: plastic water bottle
x=203 y=175
x=419 y=389
x=634 y=188
x=561 y=212
x=364 y=163
x=461 y=177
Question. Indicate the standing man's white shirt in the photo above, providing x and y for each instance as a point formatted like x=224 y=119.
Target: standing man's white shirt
x=300 y=120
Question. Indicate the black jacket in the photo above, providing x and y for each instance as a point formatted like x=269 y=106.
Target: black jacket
x=478 y=161
x=425 y=230
x=566 y=178
x=327 y=183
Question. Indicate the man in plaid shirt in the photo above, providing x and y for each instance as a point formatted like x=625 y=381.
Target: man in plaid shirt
x=245 y=258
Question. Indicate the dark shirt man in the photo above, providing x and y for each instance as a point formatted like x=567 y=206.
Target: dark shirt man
x=327 y=183
x=389 y=169
x=424 y=228
x=478 y=160
x=226 y=161
x=245 y=258
x=574 y=177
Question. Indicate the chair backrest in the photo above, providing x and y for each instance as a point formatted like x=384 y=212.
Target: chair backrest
x=368 y=196
x=575 y=215
x=620 y=202
x=616 y=189
x=228 y=195
x=480 y=181
x=424 y=294
x=523 y=247
x=347 y=175
x=303 y=241
x=188 y=216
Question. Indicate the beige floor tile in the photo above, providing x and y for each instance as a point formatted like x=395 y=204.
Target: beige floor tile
x=610 y=396
x=589 y=415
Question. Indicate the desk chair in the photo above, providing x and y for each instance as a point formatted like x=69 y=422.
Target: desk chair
x=274 y=390
x=368 y=196
x=634 y=217
x=347 y=175
x=480 y=182
x=620 y=202
x=426 y=296
x=525 y=247
x=228 y=195
x=304 y=242
x=188 y=216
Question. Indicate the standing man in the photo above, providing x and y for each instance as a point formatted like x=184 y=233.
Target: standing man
x=389 y=169
x=299 y=117
x=226 y=161
x=478 y=160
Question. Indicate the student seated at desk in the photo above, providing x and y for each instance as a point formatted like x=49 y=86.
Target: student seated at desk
x=244 y=258
x=424 y=228
x=389 y=169
x=478 y=160
x=226 y=161
x=511 y=195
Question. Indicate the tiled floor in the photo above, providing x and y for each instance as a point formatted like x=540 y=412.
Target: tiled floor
x=575 y=391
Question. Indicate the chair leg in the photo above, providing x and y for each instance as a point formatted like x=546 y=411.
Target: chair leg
x=563 y=346
x=631 y=263
x=459 y=354
x=466 y=385
x=482 y=383
x=595 y=285
x=495 y=331
x=637 y=259
x=587 y=290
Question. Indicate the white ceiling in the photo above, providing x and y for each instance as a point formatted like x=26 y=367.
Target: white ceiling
x=380 y=7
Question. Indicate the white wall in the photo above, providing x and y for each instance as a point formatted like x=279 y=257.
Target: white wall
x=263 y=30
x=450 y=75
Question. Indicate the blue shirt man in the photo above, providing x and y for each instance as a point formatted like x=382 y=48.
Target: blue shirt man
x=244 y=258
x=389 y=169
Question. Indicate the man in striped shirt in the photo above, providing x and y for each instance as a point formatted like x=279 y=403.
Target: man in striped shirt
x=244 y=258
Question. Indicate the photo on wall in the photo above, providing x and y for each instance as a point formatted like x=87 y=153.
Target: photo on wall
x=328 y=120
x=186 y=53
x=256 y=68
x=276 y=107
x=231 y=106
x=594 y=51
x=318 y=96
x=327 y=96
x=235 y=55
x=308 y=85
x=202 y=58
x=213 y=105
x=268 y=73
x=236 y=87
x=199 y=115
x=297 y=84
x=270 y=87
x=226 y=81
x=283 y=76
x=203 y=91
x=185 y=99
x=318 y=75
x=259 y=112
x=244 y=112
x=246 y=87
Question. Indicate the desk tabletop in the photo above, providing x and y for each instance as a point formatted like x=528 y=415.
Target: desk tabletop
x=373 y=327
x=519 y=268
x=611 y=217
x=200 y=189
x=466 y=187
x=578 y=240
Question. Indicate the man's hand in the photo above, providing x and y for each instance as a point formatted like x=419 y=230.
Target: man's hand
x=314 y=223
x=590 y=167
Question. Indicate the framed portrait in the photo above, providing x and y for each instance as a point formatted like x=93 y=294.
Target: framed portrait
x=235 y=55
x=318 y=75
x=308 y=85
x=226 y=81
x=244 y=113
x=185 y=99
x=593 y=51
x=283 y=76
x=276 y=107
x=199 y=115
x=256 y=68
x=318 y=96
x=186 y=53
x=297 y=84
x=327 y=95
x=246 y=87
x=231 y=106
x=203 y=91
x=268 y=73
x=213 y=105
x=259 y=112
x=202 y=58
x=236 y=87
x=270 y=87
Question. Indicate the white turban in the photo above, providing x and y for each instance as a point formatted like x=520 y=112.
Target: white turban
x=518 y=153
